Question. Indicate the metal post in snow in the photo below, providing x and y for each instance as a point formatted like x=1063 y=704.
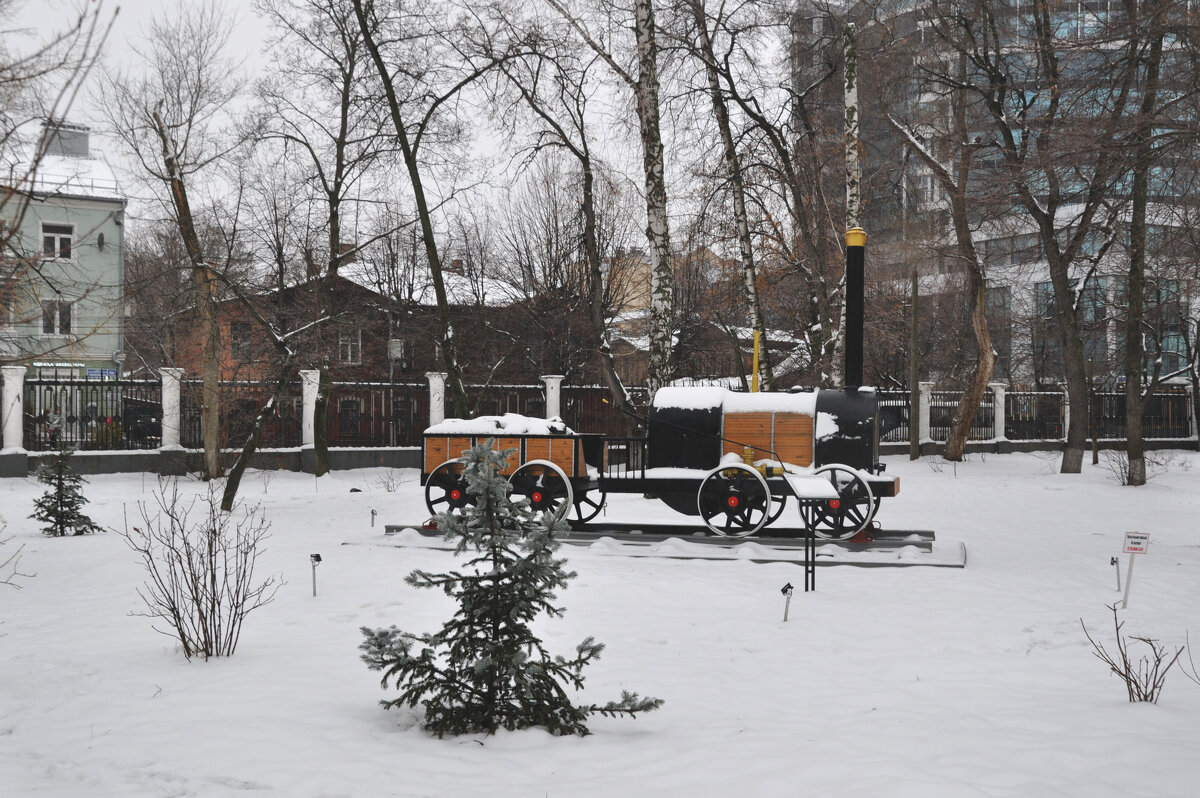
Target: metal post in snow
x=787 y=591
x=316 y=560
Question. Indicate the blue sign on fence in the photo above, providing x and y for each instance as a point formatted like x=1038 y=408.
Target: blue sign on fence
x=101 y=374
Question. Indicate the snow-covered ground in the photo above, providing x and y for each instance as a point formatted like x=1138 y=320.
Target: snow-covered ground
x=885 y=682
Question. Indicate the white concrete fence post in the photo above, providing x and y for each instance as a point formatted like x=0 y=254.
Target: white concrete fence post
x=10 y=408
x=171 y=407
x=553 y=384
x=310 y=381
x=437 y=396
x=926 y=405
x=998 y=391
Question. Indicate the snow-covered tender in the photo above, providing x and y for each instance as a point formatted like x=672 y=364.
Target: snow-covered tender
x=507 y=424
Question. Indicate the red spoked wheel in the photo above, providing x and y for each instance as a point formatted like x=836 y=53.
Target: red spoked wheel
x=446 y=488
x=734 y=500
x=847 y=515
x=546 y=487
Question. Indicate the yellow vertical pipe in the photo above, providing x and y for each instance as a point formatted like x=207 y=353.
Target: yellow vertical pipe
x=754 y=379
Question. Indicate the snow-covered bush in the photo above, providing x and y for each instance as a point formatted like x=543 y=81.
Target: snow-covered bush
x=201 y=572
x=485 y=669
x=60 y=508
x=1143 y=679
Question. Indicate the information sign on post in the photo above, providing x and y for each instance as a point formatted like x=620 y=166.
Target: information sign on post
x=1135 y=543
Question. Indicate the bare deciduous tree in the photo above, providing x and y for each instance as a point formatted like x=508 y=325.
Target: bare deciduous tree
x=176 y=120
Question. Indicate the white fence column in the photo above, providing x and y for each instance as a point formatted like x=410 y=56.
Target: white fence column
x=437 y=396
x=553 y=384
x=171 y=407
x=310 y=380
x=926 y=406
x=998 y=390
x=10 y=407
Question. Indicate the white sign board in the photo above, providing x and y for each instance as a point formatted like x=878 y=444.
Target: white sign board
x=1137 y=542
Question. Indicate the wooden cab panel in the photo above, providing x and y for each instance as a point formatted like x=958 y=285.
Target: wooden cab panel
x=794 y=438
x=748 y=429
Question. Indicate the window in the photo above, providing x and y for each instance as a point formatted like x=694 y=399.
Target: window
x=56 y=317
x=350 y=346
x=56 y=240
x=240 y=338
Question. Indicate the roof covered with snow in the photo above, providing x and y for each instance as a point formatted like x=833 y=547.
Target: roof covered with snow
x=507 y=424
x=706 y=397
x=67 y=176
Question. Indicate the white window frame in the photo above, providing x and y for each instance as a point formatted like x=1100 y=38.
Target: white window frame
x=350 y=347
x=54 y=308
x=57 y=232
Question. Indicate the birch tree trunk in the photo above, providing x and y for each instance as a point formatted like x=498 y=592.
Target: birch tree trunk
x=658 y=229
x=737 y=186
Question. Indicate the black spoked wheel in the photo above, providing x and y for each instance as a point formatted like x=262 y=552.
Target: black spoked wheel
x=546 y=487
x=588 y=506
x=845 y=516
x=446 y=488
x=734 y=500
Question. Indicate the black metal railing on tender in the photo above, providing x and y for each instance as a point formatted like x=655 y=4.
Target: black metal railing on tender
x=92 y=414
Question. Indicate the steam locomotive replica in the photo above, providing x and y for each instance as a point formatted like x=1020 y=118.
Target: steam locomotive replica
x=735 y=459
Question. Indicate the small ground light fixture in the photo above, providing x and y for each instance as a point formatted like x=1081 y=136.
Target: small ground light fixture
x=316 y=560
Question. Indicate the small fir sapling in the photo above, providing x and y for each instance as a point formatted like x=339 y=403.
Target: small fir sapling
x=485 y=669
x=60 y=508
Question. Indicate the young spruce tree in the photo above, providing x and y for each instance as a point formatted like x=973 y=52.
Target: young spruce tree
x=60 y=508
x=486 y=670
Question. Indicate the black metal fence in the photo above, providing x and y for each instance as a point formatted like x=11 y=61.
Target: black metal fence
x=1039 y=415
x=240 y=403
x=92 y=414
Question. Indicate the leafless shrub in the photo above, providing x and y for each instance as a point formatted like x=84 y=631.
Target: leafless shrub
x=1157 y=462
x=201 y=572
x=9 y=573
x=1144 y=678
x=391 y=481
x=1189 y=670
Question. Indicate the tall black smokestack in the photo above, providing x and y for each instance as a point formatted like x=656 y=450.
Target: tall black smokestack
x=856 y=244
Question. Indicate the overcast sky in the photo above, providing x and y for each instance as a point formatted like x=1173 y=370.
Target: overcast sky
x=38 y=20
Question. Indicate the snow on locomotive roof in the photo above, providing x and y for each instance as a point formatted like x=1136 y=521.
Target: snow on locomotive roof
x=507 y=424
x=705 y=397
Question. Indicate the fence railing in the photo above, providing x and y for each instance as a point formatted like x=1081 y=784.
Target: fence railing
x=240 y=403
x=1039 y=415
x=95 y=414
x=92 y=414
